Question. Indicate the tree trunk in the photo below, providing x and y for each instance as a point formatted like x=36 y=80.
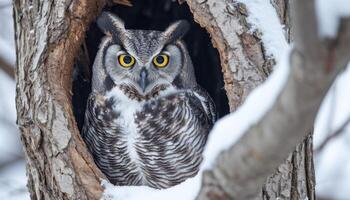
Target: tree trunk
x=295 y=178
x=48 y=38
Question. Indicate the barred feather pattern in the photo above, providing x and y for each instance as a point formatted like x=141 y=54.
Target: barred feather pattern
x=157 y=142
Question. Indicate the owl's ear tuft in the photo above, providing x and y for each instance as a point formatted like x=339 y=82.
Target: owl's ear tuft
x=176 y=30
x=111 y=24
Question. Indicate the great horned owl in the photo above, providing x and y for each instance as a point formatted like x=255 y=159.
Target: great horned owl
x=147 y=119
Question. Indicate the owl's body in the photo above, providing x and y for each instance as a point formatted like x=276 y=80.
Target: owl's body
x=146 y=123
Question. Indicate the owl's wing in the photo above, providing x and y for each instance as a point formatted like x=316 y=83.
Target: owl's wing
x=173 y=133
x=196 y=103
x=207 y=103
x=99 y=115
x=100 y=130
x=173 y=130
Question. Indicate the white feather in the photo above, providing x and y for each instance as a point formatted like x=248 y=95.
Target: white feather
x=128 y=108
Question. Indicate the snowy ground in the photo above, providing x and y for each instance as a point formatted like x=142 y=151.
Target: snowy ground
x=332 y=162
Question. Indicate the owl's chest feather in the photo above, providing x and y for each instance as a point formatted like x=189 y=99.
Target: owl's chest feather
x=127 y=110
x=129 y=122
x=156 y=142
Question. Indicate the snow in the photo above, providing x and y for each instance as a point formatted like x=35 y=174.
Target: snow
x=225 y=133
x=332 y=164
x=231 y=127
x=329 y=13
x=263 y=17
x=335 y=109
x=186 y=190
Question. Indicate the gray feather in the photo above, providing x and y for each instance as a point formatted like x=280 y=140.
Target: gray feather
x=154 y=137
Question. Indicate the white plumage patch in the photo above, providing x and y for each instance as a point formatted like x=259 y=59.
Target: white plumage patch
x=128 y=108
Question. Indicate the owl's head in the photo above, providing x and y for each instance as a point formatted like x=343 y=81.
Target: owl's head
x=143 y=59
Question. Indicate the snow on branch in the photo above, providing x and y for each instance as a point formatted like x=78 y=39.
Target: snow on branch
x=230 y=128
x=244 y=148
x=241 y=171
x=263 y=17
x=225 y=133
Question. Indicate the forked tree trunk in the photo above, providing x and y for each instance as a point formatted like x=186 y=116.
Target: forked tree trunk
x=48 y=38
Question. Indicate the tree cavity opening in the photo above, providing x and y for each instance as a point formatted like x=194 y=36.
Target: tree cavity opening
x=153 y=15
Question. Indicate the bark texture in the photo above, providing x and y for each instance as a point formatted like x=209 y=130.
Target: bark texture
x=243 y=60
x=241 y=170
x=48 y=36
x=245 y=66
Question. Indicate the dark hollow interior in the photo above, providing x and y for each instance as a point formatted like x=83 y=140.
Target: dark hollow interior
x=155 y=15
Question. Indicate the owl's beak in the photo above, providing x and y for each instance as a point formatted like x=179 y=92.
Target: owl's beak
x=143 y=82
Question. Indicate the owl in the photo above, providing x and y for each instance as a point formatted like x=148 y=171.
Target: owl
x=147 y=119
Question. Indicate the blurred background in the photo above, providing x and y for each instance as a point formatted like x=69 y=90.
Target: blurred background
x=12 y=164
x=332 y=130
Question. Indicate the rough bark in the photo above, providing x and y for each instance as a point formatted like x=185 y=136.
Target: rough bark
x=295 y=178
x=243 y=57
x=48 y=36
x=241 y=171
x=243 y=60
x=283 y=11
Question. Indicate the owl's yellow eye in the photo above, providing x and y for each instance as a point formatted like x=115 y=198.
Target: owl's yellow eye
x=161 y=60
x=125 y=60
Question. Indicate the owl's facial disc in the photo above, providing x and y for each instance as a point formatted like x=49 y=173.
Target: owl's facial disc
x=149 y=72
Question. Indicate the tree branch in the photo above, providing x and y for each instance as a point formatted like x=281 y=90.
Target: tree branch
x=10 y=162
x=335 y=134
x=240 y=171
x=7 y=68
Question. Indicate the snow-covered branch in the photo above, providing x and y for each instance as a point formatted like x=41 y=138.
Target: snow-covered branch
x=250 y=142
x=281 y=112
x=314 y=63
